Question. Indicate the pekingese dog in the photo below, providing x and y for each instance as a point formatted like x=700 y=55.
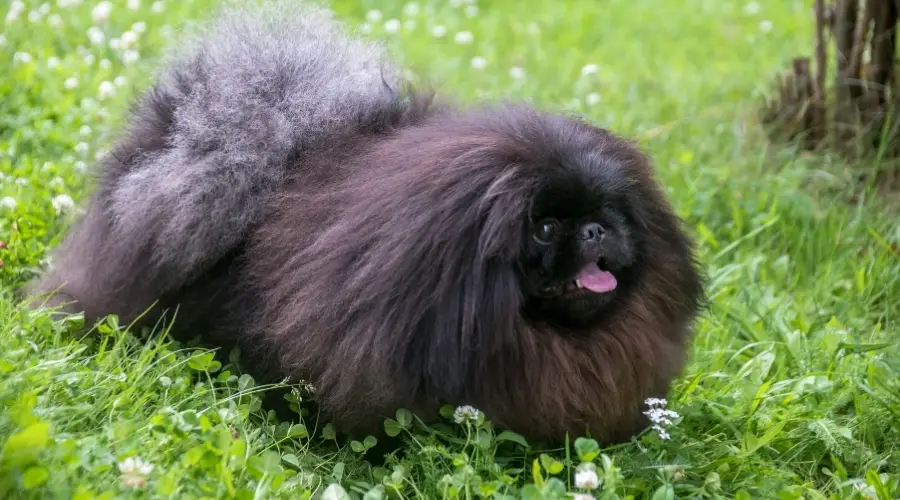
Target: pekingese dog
x=289 y=193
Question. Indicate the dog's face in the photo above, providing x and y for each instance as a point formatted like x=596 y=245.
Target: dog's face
x=580 y=247
x=579 y=250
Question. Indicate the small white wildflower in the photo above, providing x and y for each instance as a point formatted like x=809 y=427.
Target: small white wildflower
x=438 y=31
x=765 y=26
x=62 y=203
x=95 y=35
x=44 y=8
x=22 y=57
x=587 y=480
x=392 y=25
x=516 y=73
x=134 y=472
x=464 y=37
x=589 y=69
x=157 y=7
x=8 y=202
x=100 y=13
x=365 y=28
x=82 y=148
x=411 y=9
x=139 y=27
x=84 y=130
x=660 y=416
x=133 y=4
x=107 y=90
x=471 y=10
x=120 y=81
x=465 y=413
x=55 y=20
x=130 y=56
x=71 y=82
x=52 y=62
x=373 y=16
x=2 y=39
x=89 y=59
x=582 y=496
x=129 y=38
x=80 y=165
x=57 y=182
x=116 y=44
x=34 y=16
x=479 y=62
x=752 y=8
x=105 y=63
x=22 y=181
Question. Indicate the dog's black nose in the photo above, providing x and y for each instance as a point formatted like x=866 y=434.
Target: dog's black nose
x=591 y=232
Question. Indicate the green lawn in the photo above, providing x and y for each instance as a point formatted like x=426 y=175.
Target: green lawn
x=792 y=390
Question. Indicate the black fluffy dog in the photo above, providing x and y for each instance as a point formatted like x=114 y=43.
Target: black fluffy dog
x=283 y=187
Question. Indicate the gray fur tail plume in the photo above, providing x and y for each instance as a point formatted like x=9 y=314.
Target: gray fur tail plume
x=208 y=143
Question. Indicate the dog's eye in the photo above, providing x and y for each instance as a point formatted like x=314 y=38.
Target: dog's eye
x=545 y=231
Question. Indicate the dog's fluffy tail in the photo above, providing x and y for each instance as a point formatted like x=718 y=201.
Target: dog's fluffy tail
x=231 y=108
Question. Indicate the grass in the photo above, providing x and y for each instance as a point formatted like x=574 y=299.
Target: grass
x=793 y=388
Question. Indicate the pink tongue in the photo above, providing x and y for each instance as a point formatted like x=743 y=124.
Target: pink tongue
x=596 y=280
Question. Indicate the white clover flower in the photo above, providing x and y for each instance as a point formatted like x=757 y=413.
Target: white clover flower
x=660 y=416
x=392 y=25
x=464 y=37
x=82 y=148
x=80 y=165
x=34 y=16
x=55 y=20
x=44 y=8
x=438 y=31
x=57 y=182
x=107 y=90
x=89 y=59
x=130 y=56
x=71 y=82
x=592 y=99
x=139 y=27
x=752 y=8
x=52 y=62
x=157 y=7
x=105 y=63
x=22 y=58
x=411 y=9
x=582 y=496
x=587 y=480
x=516 y=73
x=589 y=69
x=134 y=472
x=471 y=10
x=464 y=414
x=373 y=16
x=84 y=130
x=765 y=26
x=15 y=10
x=116 y=44
x=120 y=81
x=479 y=62
x=100 y=13
x=62 y=203
x=129 y=38
x=133 y=4
x=95 y=35
x=8 y=202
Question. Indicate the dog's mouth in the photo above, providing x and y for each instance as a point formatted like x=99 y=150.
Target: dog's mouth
x=593 y=278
